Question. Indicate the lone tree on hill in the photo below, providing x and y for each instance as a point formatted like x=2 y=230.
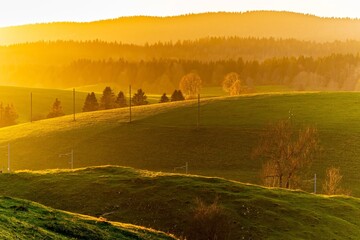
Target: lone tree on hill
x=287 y=153
x=91 y=103
x=107 y=100
x=56 y=110
x=139 y=98
x=8 y=115
x=232 y=84
x=177 y=96
x=120 y=100
x=190 y=85
x=164 y=98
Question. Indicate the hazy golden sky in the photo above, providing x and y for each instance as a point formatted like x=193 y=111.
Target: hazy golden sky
x=17 y=12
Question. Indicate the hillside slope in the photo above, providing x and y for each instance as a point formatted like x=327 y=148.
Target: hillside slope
x=139 y=30
x=164 y=136
x=27 y=220
x=166 y=202
x=43 y=99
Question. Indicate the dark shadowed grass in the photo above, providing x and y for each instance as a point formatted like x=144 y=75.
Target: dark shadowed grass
x=20 y=219
x=167 y=202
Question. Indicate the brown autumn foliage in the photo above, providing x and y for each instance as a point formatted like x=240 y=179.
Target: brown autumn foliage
x=190 y=85
x=233 y=84
x=287 y=154
x=332 y=184
x=208 y=222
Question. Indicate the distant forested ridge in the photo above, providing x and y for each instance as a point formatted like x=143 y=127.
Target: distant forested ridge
x=143 y=29
x=205 y=50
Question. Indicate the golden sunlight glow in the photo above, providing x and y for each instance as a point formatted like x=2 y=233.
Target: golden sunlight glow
x=38 y=11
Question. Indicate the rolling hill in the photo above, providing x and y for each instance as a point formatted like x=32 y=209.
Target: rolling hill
x=166 y=202
x=22 y=219
x=141 y=29
x=44 y=98
x=164 y=136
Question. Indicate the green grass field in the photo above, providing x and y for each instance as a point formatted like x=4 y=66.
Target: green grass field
x=22 y=219
x=166 y=202
x=164 y=136
x=44 y=98
x=42 y=101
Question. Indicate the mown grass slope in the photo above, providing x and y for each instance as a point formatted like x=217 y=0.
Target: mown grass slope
x=166 y=202
x=20 y=219
x=164 y=136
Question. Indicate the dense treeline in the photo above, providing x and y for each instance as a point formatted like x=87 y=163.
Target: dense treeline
x=205 y=50
x=335 y=72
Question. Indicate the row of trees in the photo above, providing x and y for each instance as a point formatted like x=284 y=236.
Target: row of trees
x=109 y=101
x=206 y=49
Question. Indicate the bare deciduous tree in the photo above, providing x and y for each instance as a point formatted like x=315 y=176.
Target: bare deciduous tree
x=232 y=84
x=287 y=153
x=332 y=184
x=190 y=85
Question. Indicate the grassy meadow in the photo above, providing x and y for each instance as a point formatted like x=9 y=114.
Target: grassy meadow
x=164 y=136
x=44 y=98
x=21 y=219
x=167 y=201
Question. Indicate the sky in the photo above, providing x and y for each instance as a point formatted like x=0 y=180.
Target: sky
x=18 y=12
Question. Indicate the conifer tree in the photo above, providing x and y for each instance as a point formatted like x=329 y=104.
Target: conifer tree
x=120 y=100
x=177 y=96
x=8 y=115
x=56 y=110
x=139 y=98
x=164 y=98
x=91 y=103
x=107 y=100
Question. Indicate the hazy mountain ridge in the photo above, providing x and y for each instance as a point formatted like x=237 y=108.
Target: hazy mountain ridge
x=141 y=29
x=205 y=50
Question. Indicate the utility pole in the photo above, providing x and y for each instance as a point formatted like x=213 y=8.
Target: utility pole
x=74 y=104
x=315 y=183
x=72 y=158
x=9 y=157
x=198 y=112
x=71 y=154
x=31 y=107
x=130 y=103
x=186 y=167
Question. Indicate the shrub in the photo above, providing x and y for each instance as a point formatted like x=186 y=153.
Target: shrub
x=208 y=222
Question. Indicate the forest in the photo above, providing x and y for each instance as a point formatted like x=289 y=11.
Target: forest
x=204 y=49
x=334 y=72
